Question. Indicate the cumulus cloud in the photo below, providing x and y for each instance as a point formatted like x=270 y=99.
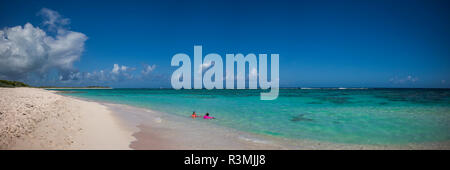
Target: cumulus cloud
x=115 y=69
x=95 y=76
x=47 y=55
x=27 y=50
x=121 y=72
x=117 y=73
x=148 y=69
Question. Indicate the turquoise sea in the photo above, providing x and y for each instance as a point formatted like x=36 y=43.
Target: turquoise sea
x=354 y=116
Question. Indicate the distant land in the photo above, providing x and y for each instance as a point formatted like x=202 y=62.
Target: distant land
x=7 y=83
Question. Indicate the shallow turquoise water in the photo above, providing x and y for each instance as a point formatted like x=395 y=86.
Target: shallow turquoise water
x=358 y=116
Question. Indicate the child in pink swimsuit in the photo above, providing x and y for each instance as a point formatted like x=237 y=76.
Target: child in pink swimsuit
x=208 y=117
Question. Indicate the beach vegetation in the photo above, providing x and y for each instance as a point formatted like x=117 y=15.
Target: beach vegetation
x=7 y=83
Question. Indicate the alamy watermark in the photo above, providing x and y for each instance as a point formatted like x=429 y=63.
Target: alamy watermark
x=212 y=67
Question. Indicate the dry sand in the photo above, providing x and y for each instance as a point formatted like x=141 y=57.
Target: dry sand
x=32 y=118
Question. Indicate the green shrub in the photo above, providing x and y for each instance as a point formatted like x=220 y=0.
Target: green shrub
x=6 y=83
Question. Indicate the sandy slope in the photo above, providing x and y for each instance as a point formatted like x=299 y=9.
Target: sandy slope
x=33 y=118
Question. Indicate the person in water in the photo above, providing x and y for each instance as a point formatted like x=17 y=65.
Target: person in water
x=194 y=115
x=208 y=117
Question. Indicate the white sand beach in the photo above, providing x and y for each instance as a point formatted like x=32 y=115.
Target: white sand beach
x=32 y=118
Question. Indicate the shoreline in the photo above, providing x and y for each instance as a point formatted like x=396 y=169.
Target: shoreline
x=55 y=121
x=164 y=131
x=76 y=88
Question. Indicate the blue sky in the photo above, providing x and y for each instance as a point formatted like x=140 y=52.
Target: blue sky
x=400 y=43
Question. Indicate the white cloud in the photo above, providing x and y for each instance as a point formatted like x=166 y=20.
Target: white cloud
x=53 y=19
x=147 y=69
x=123 y=68
x=34 y=54
x=30 y=50
x=118 y=73
x=115 y=69
x=407 y=79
